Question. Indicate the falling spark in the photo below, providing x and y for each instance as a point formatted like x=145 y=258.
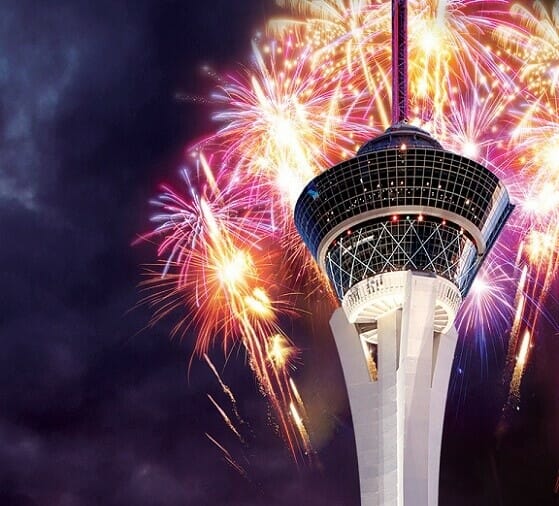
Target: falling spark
x=226 y=419
x=226 y=390
x=295 y=392
x=228 y=458
x=522 y=357
x=301 y=427
x=523 y=353
x=513 y=398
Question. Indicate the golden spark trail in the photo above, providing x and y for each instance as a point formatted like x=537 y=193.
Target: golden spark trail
x=295 y=392
x=302 y=429
x=228 y=457
x=226 y=419
x=301 y=408
x=523 y=353
x=513 y=398
x=517 y=317
x=519 y=301
x=514 y=392
x=226 y=390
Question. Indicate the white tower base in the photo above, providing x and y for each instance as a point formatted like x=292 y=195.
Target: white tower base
x=398 y=400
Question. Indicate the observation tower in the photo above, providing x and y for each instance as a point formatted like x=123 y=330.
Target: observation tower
x=400 y=230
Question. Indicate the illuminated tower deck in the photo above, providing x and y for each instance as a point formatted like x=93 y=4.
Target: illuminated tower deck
x=400 y=230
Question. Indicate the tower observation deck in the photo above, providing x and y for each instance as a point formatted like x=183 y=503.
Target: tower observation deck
x=402 y=204
x=400 y=230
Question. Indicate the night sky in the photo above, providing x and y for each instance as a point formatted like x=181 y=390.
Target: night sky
x=97 y=408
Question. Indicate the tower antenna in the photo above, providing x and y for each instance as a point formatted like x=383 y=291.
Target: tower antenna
x=399 y=61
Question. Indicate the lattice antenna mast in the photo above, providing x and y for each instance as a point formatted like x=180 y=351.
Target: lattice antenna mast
x=399 y=61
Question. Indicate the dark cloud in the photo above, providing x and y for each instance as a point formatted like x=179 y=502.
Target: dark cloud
x=95 y=411
x=36 y=69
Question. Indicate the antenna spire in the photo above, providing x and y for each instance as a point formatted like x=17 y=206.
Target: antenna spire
x=399 y=61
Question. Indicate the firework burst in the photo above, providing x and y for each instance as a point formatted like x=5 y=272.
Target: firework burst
x=534 y=40
x=343 y=38
x=208 y=245
x=312 y=94
x=536 y=147
x=282 y=125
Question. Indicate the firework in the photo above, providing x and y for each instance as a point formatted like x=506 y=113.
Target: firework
x=535 y=144
x=207 y=240
x=350 y=41
x=488 y=308
x=535 y=42
x=189 y=220
x=476 y=123
x=228 y=457
x=446 y=48
x=314 y=91
x=343 y=37
x=208 y=246
x=281 y=125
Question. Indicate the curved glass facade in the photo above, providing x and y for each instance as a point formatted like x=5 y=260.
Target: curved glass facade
x=378 y=246
x=385 y=179
x=398 y=178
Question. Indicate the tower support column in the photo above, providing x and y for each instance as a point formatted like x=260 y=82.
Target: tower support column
x=398 y=418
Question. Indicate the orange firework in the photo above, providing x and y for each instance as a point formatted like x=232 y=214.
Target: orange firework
x=282 y=125
x=343 y=36
x=211 y=268
x=535 y=42
x=313 y=93
x=535 y=144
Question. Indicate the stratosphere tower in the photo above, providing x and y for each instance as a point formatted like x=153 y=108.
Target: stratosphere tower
x=400 y=230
